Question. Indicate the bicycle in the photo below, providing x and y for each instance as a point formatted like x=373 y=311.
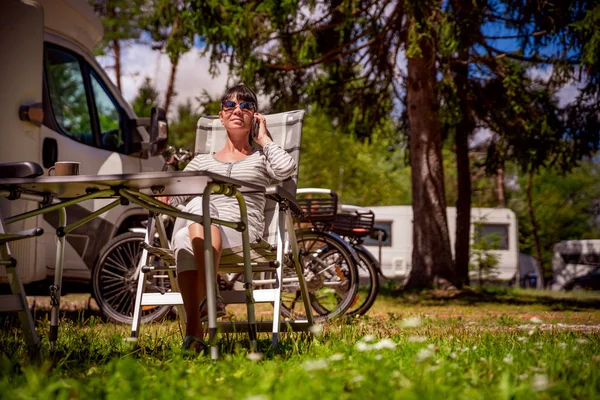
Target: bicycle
x=115 y=277
x=354 y=223
x=330 y=261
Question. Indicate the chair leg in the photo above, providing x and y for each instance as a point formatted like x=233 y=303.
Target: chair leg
x=18 y=300
x=137 y=306
x=299 y=271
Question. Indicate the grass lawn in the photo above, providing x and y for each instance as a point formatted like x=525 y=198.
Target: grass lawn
x=493 y=344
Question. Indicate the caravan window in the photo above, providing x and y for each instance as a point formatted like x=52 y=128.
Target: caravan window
x=108 y=118
x=495 y=236
x=82 y=106
x=67 y=95
x=584 y=258
x=387 y=227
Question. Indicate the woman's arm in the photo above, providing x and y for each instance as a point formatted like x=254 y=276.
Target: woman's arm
x=193 y=165
x=280 y=165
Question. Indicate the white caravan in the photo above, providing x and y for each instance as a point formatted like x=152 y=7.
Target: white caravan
x=396 y=251
x=573 y=258
x=57 y=104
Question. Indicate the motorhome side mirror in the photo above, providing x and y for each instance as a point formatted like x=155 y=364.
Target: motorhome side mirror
x=159 y=131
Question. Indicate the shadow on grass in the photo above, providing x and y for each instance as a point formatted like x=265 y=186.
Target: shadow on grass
x=480 y=296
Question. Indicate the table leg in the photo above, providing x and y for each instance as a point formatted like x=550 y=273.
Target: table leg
x=211 y=294
x=55 y=289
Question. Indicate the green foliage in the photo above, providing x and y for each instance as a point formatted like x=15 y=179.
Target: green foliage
x=472 y=345
x=566 y=206
x=361 y=172
x=301 y=52
x=121 y=20
x=146 y=98
x=182 y=129
x=483 y=258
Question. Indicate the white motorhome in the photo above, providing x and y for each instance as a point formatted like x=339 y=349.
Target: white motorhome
x=573 y=258
x=57 y=104
x=396 y=250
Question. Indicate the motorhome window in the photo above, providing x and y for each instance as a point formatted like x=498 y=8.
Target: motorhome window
x=108 y=117
x=581 y=256
x=387 y=227
x=492 y=236
x=67 y=95
x=572 y=258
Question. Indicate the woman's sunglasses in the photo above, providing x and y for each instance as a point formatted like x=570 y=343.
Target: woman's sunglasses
x=229 y=105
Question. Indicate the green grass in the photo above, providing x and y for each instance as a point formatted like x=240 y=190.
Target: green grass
x=474 y=344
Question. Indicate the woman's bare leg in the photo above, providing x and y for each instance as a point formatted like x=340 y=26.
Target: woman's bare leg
x=193 y=283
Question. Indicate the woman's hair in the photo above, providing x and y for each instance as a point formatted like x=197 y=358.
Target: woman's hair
x=242 y=92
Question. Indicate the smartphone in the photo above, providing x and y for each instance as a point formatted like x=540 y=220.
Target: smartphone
x=254 y=129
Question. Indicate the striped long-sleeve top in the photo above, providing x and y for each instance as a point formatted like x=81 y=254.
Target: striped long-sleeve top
x=261 y=167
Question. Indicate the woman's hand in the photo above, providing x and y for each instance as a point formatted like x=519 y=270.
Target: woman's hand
x=262 y=136
x=164 y=199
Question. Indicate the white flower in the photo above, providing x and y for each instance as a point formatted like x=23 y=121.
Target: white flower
x=258 y=397
x=378 y=357
x=536 y=320
x=540 y=382
x=531 y=332
x=314 y=365
x=384 y=344
x=562 y=345
x=417 y=339
x=424 y=354
x=474 y=347
x=431 y=346
x=522 y=377
x=254 y=356
x=336 y=357
x=508 y=359
x=362 y=346
x=316 y=329
x=357 y=378
x=453 y=356
x=522 y=339
x=368 y=338
x=411 y=322
x=582 y=341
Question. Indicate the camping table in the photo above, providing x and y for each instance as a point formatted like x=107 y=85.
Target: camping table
x=58 y=192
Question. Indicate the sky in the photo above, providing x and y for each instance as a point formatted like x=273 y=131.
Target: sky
x=140 y=61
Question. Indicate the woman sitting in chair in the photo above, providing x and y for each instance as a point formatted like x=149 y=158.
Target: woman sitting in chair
x=239 y=160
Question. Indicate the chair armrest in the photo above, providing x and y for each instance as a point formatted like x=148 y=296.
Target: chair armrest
x=280 y=195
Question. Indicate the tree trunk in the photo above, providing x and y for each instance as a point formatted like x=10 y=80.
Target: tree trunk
x=467 y=25
x=117 y=52
x=500 y=187
x=431 y=256
x=534 y=225
x=463 y=171
x=171 y=87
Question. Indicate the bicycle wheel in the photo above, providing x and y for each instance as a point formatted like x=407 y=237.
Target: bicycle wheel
x=330 y=274
x=368 y=286
x=114 y=284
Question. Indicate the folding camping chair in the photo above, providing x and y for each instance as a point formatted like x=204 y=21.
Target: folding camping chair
x=277 y=250
x=17 y=300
